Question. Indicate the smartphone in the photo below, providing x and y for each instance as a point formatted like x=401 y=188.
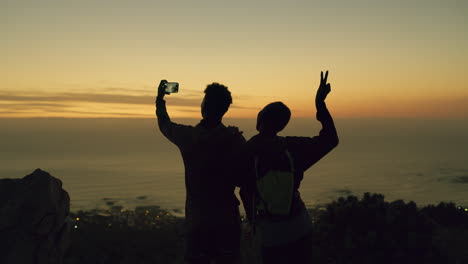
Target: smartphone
x=172 y=87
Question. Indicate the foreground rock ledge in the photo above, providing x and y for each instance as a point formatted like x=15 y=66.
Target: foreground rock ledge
x=33 y=213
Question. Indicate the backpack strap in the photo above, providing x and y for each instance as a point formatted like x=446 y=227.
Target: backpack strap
x=293 y=170
x=291 y=162
x=256 y=178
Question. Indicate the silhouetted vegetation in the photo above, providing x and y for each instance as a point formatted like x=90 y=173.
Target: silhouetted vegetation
x=144 y=235
x=348 y=230
x=371 y=230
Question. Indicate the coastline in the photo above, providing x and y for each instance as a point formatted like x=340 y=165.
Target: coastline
x=367 y=229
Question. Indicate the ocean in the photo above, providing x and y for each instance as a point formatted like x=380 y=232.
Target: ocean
x=127 y=162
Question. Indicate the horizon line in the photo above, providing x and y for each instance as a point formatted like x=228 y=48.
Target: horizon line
x=199 y=118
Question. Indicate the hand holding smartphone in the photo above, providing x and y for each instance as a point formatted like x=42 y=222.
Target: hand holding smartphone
x=171 y=87
x=166 y=87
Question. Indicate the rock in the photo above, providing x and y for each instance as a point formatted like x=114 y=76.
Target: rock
x=33 y=219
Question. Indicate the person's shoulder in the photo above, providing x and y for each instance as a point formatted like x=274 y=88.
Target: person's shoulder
x=266 y=145
x=234 y=130
x=235 y=134
x=298 y=143
x=183 y=128
x=188 y=126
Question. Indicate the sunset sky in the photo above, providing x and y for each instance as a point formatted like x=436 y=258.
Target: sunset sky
x=105 y=58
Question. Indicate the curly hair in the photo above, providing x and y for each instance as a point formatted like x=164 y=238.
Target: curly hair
x=217 y=99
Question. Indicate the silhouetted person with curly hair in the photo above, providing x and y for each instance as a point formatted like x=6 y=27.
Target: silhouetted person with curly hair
x=209 y=151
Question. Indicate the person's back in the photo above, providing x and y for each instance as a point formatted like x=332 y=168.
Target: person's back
x=209 y=159
x=285 y=237
x=209 y=151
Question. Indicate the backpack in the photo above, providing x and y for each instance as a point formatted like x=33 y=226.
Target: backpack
x=274 y=190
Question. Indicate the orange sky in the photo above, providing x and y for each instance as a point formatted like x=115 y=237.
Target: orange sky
x=105 y=58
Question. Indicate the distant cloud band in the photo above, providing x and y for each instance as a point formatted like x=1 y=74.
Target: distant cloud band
x=69 y=102
x=96 y=98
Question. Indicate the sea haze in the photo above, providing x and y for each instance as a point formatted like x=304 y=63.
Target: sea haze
x=128 y=162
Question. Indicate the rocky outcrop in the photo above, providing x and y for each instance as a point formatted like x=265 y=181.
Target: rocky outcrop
x=33 y=214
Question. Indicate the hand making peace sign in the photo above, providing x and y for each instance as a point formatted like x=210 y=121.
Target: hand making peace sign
x=323 y=89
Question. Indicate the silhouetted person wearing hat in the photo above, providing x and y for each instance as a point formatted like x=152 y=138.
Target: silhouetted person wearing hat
x=270 y=193
x=209 y=151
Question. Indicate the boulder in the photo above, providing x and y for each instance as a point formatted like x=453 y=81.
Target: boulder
x=33 y=219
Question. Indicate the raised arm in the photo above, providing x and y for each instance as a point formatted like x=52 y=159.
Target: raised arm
x=164 y=121
x=323 y=115
x=309 y=150
x=178 y=134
